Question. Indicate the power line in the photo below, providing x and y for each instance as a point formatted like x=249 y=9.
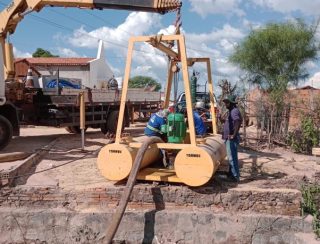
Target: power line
x=49 y=22
x=72 y=18
x=108 y=22
x=52 y=23
x=46 y=21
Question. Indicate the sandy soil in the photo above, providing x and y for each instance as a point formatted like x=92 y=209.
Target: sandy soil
x=278 y=168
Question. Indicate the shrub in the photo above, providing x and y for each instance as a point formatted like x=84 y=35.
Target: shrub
x=303 y=139
x=310 y=205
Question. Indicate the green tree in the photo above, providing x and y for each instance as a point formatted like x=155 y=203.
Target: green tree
x=43 y=53
x=144 y=82
x=274 y=57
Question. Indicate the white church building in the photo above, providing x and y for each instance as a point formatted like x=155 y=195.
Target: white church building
x=87 y=72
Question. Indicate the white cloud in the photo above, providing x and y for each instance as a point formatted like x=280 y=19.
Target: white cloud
x=116 y=71
x=20 y=54
x=216 y=45
x=310 y=65
x=66 y=52
x=146 y=60
x=149 y=55
x=137 y=23
x=227 y=45
x=227 y=32
x=206 y=7
x=226 y=69
x=251 y=25
x=168 y=31
x=310 y=7
x=145 y=70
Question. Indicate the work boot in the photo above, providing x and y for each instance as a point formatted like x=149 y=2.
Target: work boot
x=232 y=178
x=170 y=165
x=165 y=158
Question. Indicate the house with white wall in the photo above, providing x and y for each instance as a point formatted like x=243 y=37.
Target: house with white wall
x=88 y=72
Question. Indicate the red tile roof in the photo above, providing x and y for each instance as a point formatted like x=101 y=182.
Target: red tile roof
x=55 y=61
x=306 y=88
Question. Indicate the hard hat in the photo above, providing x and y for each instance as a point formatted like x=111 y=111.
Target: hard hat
x=231 y=99
x=165 y=112
x=200 y=104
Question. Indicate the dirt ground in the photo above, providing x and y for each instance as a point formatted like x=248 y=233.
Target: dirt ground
x=277 y=168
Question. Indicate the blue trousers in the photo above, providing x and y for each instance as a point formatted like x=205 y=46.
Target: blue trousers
x=232 y=153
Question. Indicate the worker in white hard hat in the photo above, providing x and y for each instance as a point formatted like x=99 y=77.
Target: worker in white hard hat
x=200 y=127
x=153 y=127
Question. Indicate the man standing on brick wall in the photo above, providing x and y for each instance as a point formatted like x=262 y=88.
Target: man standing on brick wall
x=232 y=122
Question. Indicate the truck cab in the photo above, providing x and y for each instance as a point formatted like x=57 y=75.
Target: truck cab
x=202 y=100
x=202 y=106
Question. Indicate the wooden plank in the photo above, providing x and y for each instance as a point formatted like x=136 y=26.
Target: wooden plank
x=211 y=92
x=316 y=151
x=169 y=85
x=161 y=145
x=186 y=82
x=125 y=85
x=7 y=177
x=158 y=174
x=9 y=157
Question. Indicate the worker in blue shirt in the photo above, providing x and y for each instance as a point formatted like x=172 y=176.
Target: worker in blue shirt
x=199 y=125
x=153 y=127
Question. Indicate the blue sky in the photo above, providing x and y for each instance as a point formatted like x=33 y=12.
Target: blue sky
x=212 y=28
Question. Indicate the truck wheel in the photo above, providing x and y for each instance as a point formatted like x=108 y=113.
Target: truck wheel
x=112 y=122
x=74 y=129
x=69 y=129
x=6 y=132
x=104 y=128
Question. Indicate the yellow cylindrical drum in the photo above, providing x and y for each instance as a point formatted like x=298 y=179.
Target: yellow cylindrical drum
x=196 y=165
x=217 y=143
x=115 y=160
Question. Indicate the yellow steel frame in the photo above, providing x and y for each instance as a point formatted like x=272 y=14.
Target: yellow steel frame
x=160 y=42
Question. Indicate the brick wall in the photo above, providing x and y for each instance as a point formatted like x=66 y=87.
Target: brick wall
x=301 y=101
x=266 y=201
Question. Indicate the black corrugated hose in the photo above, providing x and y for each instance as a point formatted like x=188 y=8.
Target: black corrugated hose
x=117 y=216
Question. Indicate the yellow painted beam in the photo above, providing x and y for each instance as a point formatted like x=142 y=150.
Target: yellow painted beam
x=211 y=92
x=156 y=174
x=161 y=145
x=163 y=38
x=186 y=81
x=124 y=91
x=169 y=84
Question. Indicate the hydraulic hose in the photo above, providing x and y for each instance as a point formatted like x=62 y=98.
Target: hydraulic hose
x=117 y=216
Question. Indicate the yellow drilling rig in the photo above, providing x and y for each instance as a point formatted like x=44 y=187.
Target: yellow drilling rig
x=195 y=159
